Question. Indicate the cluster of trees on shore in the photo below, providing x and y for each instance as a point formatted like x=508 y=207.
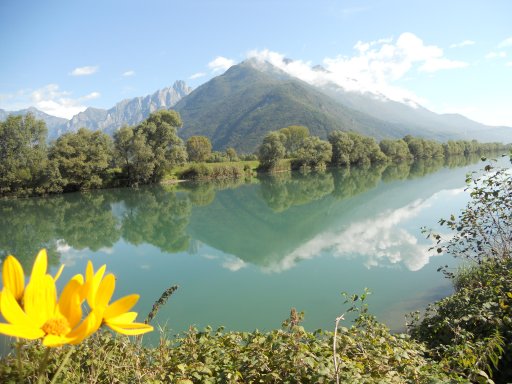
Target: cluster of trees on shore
x=147 y=152
x=87 y=159
x=346 y=148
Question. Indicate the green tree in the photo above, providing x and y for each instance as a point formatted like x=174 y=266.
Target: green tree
x=294 y=135
x=24 y=165
x=395 y=150
x=271 y=150
x=314 y=152
x=82 y=158
x=123 y=148
x=199 y=148
x=149 y=150
x=159 y=144
x=364 y=150
x=341 y=147
x=231 y=154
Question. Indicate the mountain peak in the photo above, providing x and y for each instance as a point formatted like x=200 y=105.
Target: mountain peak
x=129 y=111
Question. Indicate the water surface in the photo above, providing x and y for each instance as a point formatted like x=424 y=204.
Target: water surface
x=243 y=254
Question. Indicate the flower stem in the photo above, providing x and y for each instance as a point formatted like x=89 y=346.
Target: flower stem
x=18 y=356
x=42 y=366
x=61 y=366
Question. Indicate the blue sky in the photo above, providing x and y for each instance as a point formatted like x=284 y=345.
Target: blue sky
x=450 y=56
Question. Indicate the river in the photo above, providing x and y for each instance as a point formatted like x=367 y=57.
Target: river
x=244 y=253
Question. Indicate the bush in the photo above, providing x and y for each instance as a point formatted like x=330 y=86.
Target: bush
x=204 y=172
x=366 y=353
x=470 y=331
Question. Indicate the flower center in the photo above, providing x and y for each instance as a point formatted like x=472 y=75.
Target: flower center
x=57 y=326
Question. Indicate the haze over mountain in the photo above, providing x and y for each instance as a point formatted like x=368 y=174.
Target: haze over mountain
x=238 y=108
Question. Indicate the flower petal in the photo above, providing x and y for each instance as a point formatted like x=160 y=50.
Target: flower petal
x=86 y=328
x=131 y=329
x=59 y=272
x=105 y=291
x=12 y=311
x=40 y=299
x=92 y=282
x=121 y=306
x=16 y=330
x=70 y=302
x=40 y=265
x=56 y=341
x=13 y=277
x=125 y=318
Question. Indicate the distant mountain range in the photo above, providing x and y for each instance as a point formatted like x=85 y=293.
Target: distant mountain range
x=237 y=109
x=126 y=112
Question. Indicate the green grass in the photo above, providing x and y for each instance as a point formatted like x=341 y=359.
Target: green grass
x=175 y=173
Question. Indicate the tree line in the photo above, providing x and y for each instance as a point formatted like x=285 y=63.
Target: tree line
x=87 y=159
x=147 y=152
x=346 y=148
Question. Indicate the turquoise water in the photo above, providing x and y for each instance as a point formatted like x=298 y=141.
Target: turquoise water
x=244 y=254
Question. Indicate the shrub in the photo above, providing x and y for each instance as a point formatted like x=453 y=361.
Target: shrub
x=470 y=331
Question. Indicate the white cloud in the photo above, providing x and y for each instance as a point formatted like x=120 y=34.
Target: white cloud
x=92 y=95
x=494 y=55
x=220 y=64
x=129 y=73
x=506 y=43
x=52 y=100
x=375 y=68
x=509 y=64
x=464 y=43
x=84 y=71
x=197 y=75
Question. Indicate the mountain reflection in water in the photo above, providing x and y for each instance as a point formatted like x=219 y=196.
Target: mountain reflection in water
x=262 y=245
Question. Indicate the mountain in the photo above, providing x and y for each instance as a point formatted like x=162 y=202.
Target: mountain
x=252 y=98
x=421 y=121
x=239 y=107
x=126 y=112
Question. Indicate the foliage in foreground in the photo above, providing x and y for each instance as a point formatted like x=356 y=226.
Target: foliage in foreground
x=367 y=353
x=471 y=330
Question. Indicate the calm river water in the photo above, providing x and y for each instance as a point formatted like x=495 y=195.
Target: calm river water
x=244 y=254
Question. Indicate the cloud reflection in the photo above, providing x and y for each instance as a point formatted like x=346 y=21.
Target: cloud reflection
x=380 y=241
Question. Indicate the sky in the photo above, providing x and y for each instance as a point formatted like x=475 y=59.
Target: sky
x=449 y=56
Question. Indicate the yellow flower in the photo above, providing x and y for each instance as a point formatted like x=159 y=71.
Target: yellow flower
x=14 y=278
x=57 y=322
x=115 y=315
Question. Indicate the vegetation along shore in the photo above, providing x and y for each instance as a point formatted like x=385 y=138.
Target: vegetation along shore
x=152 y=152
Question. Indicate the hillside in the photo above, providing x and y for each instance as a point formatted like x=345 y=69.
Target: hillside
x=250 y=99
x=239 y=107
